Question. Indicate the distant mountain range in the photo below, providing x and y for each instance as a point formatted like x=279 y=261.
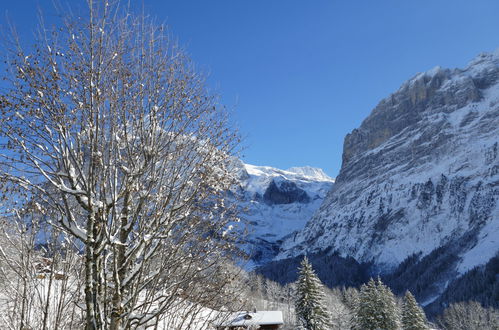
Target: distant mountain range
x=418 y=189
x=275 y=203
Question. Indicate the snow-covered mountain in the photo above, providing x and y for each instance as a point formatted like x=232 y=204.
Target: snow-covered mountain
x=421 y=172
x=274 y=203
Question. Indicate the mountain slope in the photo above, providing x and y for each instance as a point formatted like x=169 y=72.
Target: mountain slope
x=421 y=172
x=274 y=203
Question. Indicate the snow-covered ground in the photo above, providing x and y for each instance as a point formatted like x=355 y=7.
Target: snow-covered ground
x=62 y=299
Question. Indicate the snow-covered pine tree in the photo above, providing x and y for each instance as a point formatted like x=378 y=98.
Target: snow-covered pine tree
x=311 y=311
x=413 y=317
x=366 y=306
x=377 y=308
x=391 y=317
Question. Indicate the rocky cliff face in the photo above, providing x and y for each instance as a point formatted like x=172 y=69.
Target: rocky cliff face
x=421 y=171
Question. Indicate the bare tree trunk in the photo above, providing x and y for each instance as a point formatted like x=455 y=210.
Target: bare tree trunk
x=119 y=266
x=46 y=309
x=90 y=292
x=23 y=305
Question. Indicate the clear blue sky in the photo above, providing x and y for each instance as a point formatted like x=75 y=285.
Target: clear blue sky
x=302 y=74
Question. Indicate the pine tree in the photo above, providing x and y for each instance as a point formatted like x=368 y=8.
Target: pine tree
x=311 y=311
x=377 y=308
x=413 y=317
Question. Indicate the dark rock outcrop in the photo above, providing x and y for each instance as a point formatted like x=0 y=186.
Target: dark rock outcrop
x=284 y=192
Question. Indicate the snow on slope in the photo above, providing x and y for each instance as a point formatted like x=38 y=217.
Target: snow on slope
x=420 y=172
x=311 y=172
x=275 y=203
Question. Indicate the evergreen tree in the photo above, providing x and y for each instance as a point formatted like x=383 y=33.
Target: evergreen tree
x=311 y=311
x=376 y=308
x=413 y=317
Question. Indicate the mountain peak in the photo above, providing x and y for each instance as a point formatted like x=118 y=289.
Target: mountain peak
x=420 y=171
x=311 y=172
x=274 y=203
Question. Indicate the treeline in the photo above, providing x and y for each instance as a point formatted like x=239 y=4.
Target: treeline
x=422 y=276
x=480 y=284
x=308 y=304
x=331 y=268
x=425 y=277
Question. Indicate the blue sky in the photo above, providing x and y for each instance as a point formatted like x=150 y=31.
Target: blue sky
x=302 y=74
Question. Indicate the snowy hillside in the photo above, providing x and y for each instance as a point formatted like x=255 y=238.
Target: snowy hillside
x=275 y=203
x=422 y=171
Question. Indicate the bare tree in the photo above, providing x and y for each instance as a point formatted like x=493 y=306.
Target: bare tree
x=341 y=315
x=108 y=125
x=470 y=316
x=39 y=286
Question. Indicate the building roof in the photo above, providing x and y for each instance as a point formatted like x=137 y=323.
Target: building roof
x=239 y=319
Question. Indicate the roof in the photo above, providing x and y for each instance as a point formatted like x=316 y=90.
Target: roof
x=253 y=318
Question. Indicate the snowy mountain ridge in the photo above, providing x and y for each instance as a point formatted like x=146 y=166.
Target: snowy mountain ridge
x=421 y=171
x=311 y=172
